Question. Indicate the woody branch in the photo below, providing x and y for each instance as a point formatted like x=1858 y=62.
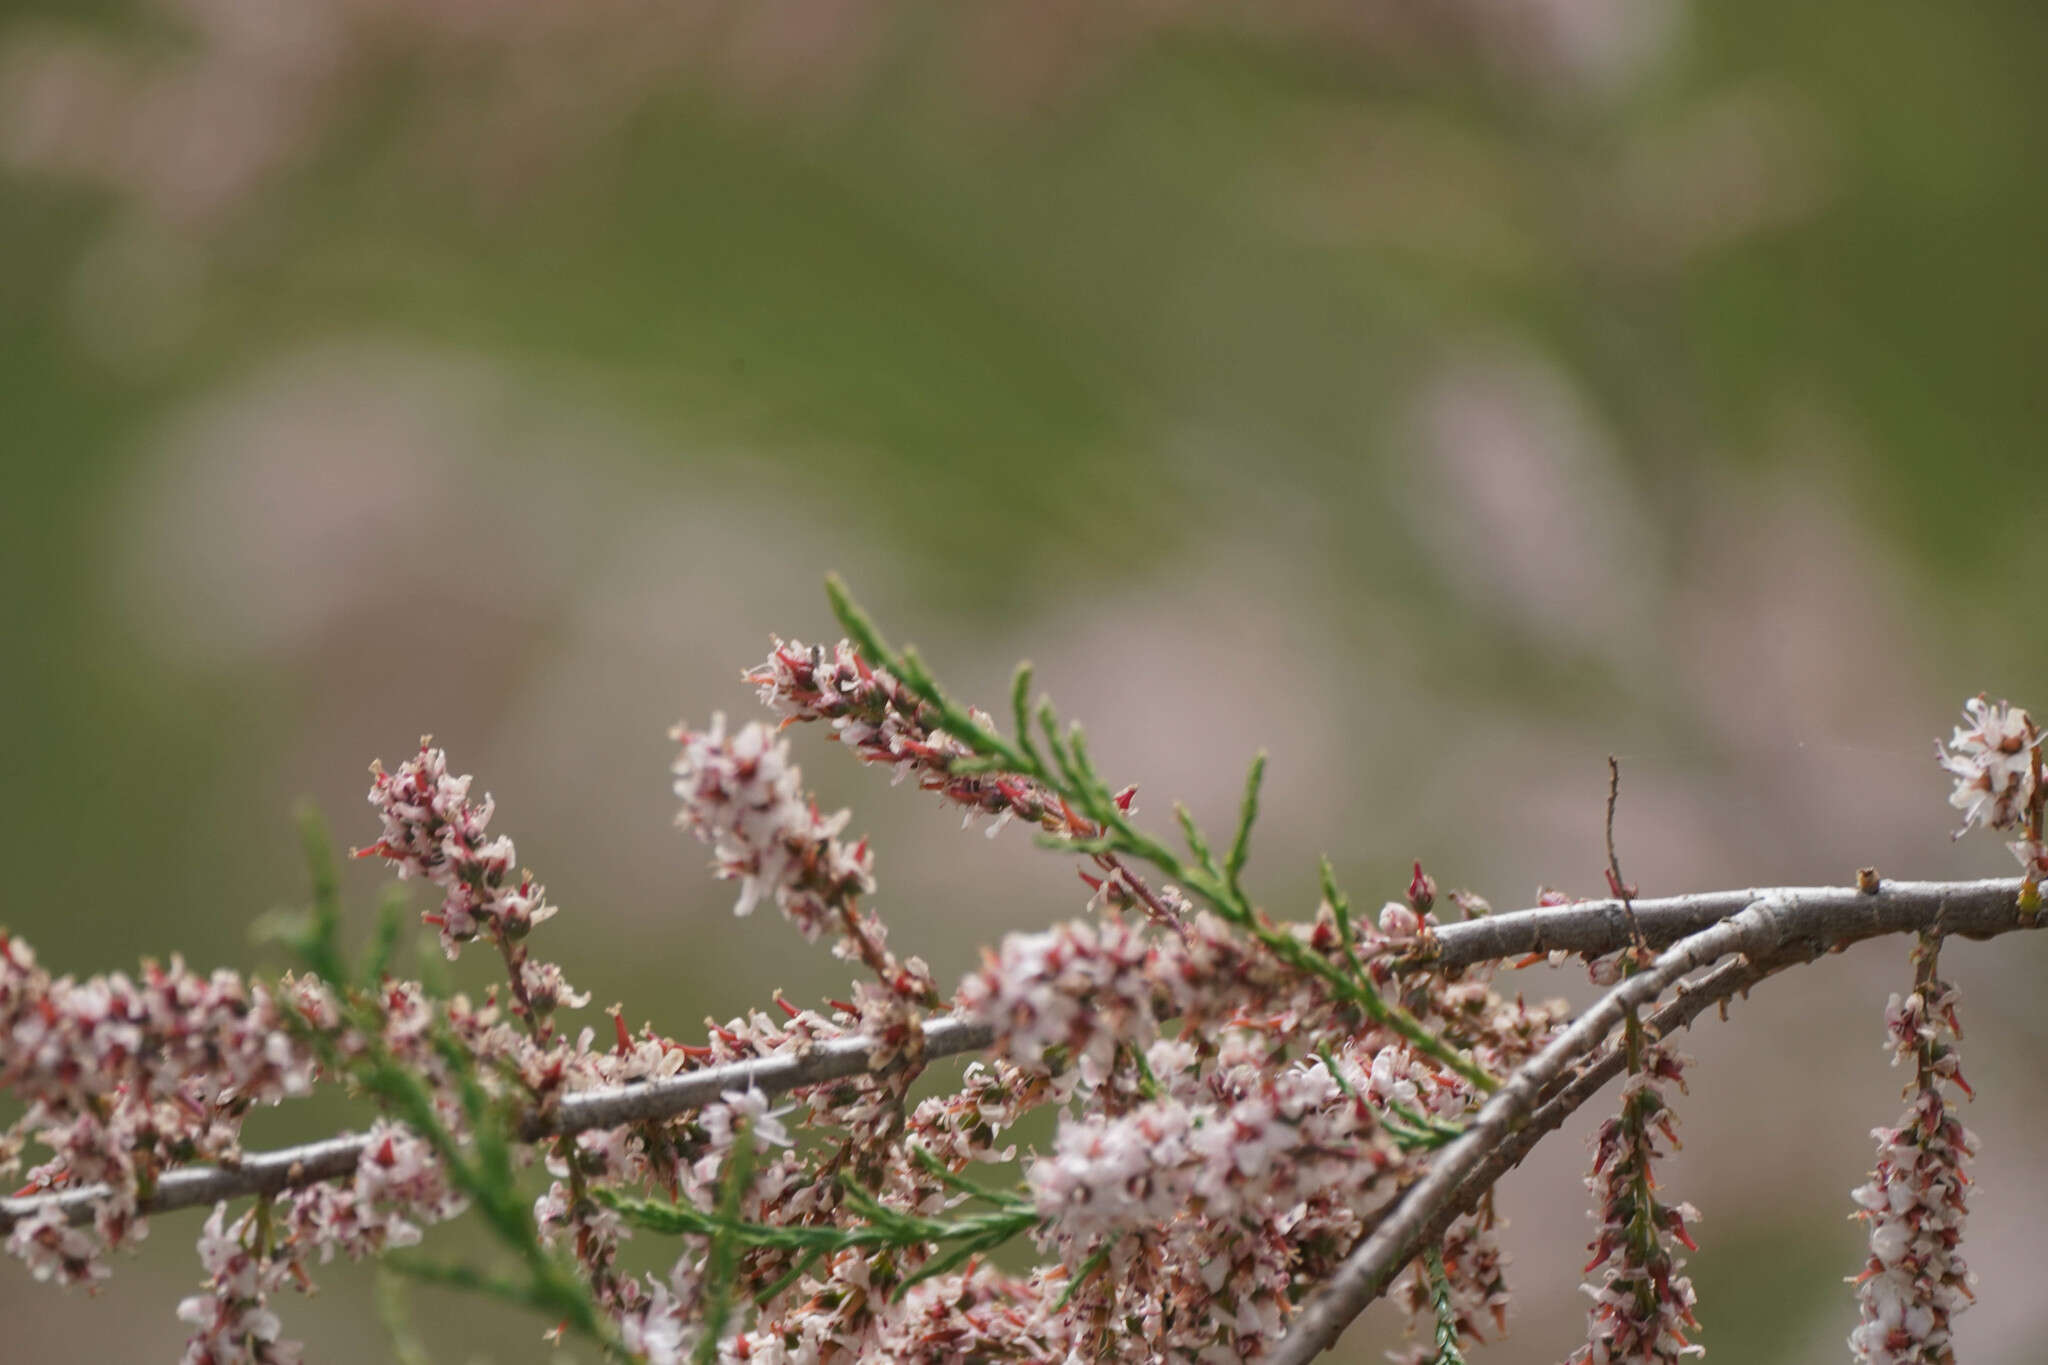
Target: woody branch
x=1816 y=918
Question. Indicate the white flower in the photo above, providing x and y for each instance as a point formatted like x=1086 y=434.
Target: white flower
x=751 y=1105
x=53 y=1249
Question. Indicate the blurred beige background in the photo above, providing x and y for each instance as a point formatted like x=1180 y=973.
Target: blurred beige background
x=1443 y=400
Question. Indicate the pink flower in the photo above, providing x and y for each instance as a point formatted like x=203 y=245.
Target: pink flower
x=743 y=796
x=431 y=830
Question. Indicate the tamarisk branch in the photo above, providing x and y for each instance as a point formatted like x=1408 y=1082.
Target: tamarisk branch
x=1810 y=919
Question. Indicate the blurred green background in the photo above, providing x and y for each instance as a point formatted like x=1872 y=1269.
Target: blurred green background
x=1443 y=396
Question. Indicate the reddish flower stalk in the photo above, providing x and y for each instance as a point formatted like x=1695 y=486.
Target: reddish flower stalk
x=1642 y=1308
x=883 y=721
x=432 y=830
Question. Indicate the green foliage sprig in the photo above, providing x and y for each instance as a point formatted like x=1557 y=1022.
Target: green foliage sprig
x=1070 y=774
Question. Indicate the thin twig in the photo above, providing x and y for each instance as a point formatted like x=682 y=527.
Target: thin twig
x=1774 y=923
x=335 y=1158
x=1694 y=998
x=1571 y=1092
x=1615 y=885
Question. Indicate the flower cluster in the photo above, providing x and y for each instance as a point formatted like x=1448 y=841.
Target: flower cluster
x=124 y=1077
x=839 y=1304
x=743 y=797
x=882 y=721
x=432 y=830
x=1195 y=1118
x=660 y=1316
x=53 y=1249
x=1995 y=759
x=232 y=1320
x=1083 y=988
x=1204 y=1212
x=398 y=1186
x=1915 y=1282
x=1277 y=1137
x=1642 y=1308
x=741 y=794
x=979 y=1314
x=1231 y=1163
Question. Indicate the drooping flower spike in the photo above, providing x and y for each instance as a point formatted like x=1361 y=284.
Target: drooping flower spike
x=1916 y=1202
